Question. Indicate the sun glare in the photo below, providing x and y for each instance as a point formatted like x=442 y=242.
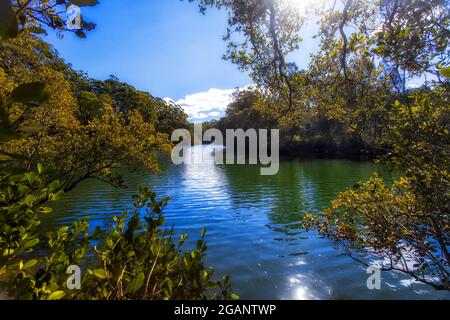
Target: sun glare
x=302 y=5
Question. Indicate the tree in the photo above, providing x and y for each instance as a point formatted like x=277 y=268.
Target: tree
x=88 y=127
x=405 y=224
x=260 y=34
x=36 y=15
x=357 y=84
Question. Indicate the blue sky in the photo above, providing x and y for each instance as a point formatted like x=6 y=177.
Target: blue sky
x=165 y=47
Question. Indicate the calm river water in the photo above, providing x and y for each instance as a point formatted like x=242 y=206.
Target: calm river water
x=252 y=223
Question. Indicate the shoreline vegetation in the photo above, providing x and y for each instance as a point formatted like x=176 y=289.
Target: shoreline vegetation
x=59 y=127
x=81 y=128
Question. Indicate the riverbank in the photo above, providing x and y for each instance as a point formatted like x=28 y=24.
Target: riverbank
x=329 y=150
x=325 y=150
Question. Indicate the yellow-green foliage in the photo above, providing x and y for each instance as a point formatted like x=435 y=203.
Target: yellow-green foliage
x=50 y=113
x=408 y=222
x=75 y=149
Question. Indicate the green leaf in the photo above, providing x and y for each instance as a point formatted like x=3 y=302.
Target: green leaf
x=234 y=296
x=31 y=177
x=37 y=30
x=9 y=27
x=29 y=199
x=30 y=93
x=30 y=263
x=8 y=252
x=40 y=168
x=99 y=273
x=57 y=295
x=45 y=210
x=32 y=243
x=135 y=284
x=57 y=196
x=445 y=72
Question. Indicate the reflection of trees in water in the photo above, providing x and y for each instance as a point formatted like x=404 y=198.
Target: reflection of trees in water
x=299 y=187
x=279 y=195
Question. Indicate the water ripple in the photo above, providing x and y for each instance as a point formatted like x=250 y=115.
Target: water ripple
x=253 y=224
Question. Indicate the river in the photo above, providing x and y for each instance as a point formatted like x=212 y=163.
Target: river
x=252 y=224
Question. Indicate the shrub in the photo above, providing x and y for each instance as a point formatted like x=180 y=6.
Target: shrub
x=137 y=259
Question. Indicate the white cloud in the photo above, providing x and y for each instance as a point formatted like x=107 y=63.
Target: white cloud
x=206 y=105
x=214 y=114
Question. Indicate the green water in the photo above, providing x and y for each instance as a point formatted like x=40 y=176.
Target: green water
x=253 y=225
